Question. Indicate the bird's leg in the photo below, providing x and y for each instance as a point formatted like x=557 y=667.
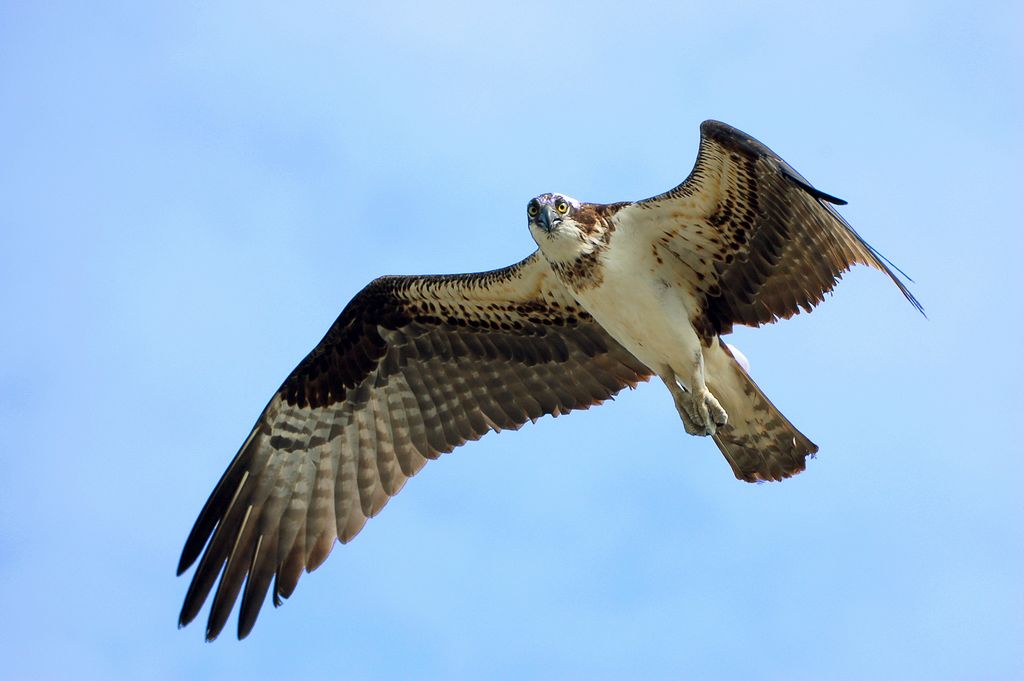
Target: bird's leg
x=683 y=403
x=699 y=409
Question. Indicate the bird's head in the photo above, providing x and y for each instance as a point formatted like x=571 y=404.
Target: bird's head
x=563 y=227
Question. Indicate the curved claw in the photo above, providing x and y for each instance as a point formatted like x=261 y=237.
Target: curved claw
x=701 y=412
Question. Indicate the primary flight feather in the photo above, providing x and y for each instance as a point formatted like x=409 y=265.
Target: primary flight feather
x=416 y=366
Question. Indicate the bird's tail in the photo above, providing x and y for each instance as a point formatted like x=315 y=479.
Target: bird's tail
x=758 y=442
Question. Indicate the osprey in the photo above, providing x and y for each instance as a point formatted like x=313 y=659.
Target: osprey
x=416 y=366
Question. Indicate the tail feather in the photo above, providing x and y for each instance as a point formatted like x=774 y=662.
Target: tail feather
x=758 y=442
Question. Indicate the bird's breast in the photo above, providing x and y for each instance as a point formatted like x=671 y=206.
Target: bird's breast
x=642 y=304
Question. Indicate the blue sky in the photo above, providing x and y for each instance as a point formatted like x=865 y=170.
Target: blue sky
x=192 y=191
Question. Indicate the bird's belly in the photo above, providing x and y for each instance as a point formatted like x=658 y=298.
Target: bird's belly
x=646 y=314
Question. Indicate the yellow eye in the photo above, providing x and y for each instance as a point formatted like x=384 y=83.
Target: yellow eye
x=562 y=207
x=533 y=210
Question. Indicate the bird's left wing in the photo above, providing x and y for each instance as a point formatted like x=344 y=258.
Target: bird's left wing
x=759 y=242
x=412 y=368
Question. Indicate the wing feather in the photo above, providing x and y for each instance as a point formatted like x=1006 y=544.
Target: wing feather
x=758 y=241
x=290 y=567
x=411 y=369
x=322 y=530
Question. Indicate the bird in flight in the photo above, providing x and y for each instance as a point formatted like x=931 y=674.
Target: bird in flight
x=615 y=294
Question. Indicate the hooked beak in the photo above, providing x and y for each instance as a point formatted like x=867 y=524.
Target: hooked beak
x=549 y=218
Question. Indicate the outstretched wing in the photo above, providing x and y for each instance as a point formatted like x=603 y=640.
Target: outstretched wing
x=412 y=368
x=758 y=242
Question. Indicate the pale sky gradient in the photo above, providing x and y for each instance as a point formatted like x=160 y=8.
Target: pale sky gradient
x=190 y=193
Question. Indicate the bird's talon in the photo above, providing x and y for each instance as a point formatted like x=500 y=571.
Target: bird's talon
x=701 y=413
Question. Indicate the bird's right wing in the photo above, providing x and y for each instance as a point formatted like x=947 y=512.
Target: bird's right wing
x=412 y=368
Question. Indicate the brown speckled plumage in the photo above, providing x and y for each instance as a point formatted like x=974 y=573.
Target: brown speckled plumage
x=412 y=368
x=416 y=366
x=596 y=221
x=768 y=245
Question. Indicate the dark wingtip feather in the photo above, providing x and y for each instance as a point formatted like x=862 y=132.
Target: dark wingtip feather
x=818 y=194
x=261 y=573
x=801 y=182
x=888 y=266
x=217 y=503
x=197 y=539
x=733 y=137
x=903 y=288
x=910 y=296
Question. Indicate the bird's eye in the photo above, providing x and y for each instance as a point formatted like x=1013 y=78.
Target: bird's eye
x=533 y=210
x=562 y=207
